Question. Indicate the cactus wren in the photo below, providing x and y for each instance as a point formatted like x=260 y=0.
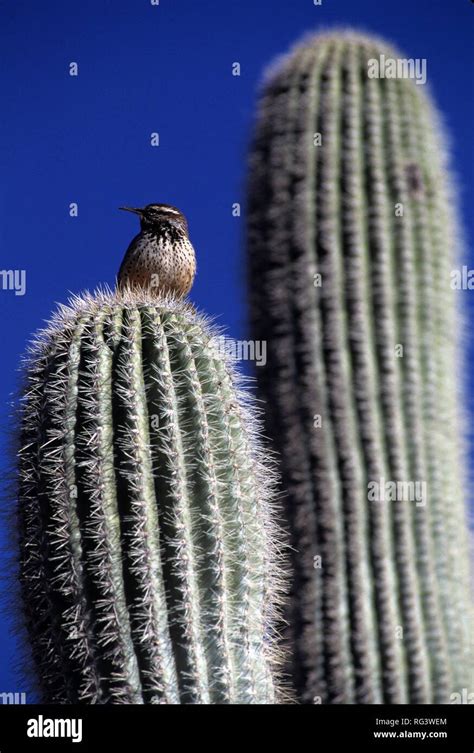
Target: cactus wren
x=161 y=256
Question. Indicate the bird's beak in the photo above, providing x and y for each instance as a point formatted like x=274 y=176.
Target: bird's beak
x=132 y=209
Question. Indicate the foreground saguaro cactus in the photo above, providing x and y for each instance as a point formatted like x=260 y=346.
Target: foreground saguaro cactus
x=148 y=563
x=351 y=242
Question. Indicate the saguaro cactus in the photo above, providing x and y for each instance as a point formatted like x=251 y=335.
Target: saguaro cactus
x=147 y=549
x=351 y=241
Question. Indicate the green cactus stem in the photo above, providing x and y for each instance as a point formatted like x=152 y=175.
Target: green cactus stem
x=149 y=559
x=351 y=241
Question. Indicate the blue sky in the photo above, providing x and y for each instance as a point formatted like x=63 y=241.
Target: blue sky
x=166 y=69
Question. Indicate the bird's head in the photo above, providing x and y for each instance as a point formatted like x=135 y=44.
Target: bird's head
x=154 y=215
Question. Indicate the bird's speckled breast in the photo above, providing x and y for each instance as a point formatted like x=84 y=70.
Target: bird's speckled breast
x=164 y=260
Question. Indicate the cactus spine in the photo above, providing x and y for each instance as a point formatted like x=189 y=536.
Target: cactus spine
x=147 y=549
x=351 y=241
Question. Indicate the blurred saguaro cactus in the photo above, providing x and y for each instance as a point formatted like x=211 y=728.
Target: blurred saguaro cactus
x=351 y=240
x=149 y=560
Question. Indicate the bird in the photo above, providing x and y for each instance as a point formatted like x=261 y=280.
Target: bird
x=161 y=257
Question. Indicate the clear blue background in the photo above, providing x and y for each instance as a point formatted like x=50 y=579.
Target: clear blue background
x=167 y=69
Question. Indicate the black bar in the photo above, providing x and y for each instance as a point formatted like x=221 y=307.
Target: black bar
x=318 y=729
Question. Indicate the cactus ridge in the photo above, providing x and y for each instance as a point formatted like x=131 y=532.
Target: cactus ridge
x=387 y=616
x=150 y=566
